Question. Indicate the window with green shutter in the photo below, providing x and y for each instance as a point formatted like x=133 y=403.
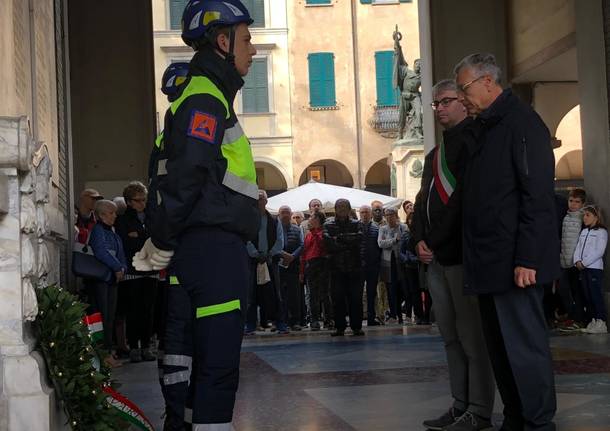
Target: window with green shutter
x=255 y=92
x=257 y=11
x=387 y=95
x=384 y=1
x=176 y=7
x=322 y=79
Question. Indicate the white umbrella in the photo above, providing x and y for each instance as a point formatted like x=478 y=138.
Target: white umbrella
x=298 y=198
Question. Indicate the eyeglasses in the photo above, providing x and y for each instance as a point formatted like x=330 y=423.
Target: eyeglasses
x=444 y=102
x=462 y=88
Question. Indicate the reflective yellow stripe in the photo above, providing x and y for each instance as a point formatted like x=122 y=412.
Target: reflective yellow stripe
x=212 y=310
x=201 y=85
x=159 y=141
x=239 y=185
x=241 y=172
x=233 y=134
x=173 y=280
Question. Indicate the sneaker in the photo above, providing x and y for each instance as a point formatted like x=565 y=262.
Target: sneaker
x=589 y=325
x=470 y=422
x=296 y=328
x=337 y=333
x=112 y=362
x=148 y=356
x=446 y=419
x=135 y=355
x=599 y=327
x=357 y=333
x=391 y=321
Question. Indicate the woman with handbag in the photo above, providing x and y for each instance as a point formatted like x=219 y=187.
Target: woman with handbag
x=107 y=248
x=137 y=293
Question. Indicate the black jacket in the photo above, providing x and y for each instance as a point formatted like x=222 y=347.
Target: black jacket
x=134 y=234
x=509 y=201
x=192 y=193
x=369 y=248
x=440 y=225
x=342 y=240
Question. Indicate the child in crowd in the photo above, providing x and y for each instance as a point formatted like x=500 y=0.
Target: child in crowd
x=569 y=285
x=588 y=258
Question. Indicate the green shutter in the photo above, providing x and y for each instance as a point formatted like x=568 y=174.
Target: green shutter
x=176 y=7
x=257 y=11
x=322 y=79
x=255 y=92
x=318 y=2
x=366 y=1
x=387 y=95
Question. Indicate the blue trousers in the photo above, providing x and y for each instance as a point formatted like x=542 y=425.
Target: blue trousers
x=592 y=282
x=212 y=267
x=175 y=352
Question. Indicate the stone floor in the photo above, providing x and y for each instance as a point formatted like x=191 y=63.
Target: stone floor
x=391 y=379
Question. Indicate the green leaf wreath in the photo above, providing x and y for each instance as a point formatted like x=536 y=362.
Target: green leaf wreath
x=71 y=360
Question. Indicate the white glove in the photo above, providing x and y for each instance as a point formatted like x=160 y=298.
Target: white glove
x=150 y=258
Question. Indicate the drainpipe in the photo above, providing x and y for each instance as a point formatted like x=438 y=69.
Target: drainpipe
x=353 y=5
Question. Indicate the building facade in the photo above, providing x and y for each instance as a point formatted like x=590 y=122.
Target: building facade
x=263 y=106
x=310 y=97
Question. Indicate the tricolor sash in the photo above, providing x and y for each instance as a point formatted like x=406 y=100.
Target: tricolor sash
x=444 y=181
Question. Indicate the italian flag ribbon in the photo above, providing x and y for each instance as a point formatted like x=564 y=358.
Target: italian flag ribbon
x=128 y=410
x=95 y=325
x=444 y=181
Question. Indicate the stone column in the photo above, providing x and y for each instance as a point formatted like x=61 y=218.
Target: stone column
x=593 y=50
x=26 y=399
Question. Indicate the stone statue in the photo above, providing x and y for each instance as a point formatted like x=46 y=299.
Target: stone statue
x=408 y=81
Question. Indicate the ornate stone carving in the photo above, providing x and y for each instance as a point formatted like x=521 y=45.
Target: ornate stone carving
x=15 y=143
x=417 y=169
x=28 y=257
x=44 y=170
x=42 y=220
x=44 y=260
x=28 y=214
x=408 y=80
x=30 y=304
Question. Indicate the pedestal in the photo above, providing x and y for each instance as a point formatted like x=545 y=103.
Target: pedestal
x=408 y=161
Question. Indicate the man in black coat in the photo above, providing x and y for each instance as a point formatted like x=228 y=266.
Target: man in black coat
x=510 y=239
x=342 y=237
x=437 y=236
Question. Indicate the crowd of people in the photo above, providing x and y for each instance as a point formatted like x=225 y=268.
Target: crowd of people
x=314 y=273
x=488 y=250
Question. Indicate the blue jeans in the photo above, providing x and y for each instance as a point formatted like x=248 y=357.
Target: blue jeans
x=592 y=282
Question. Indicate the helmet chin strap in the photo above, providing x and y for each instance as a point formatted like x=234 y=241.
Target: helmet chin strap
x=229 y=56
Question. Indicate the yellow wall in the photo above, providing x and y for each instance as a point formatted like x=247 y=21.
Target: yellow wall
x=376 y=25
x=332 y=134
x=535 y=25
x=270 y=133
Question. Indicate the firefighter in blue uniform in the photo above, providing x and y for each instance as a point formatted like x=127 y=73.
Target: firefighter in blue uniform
x=208 y=203
x=175 y=343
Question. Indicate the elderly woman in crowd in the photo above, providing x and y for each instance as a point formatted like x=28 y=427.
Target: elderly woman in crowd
x=137 y=293
x=392 y=270
x=108 y=248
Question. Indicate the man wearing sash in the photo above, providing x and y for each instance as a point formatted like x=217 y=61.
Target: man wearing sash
x=437 y=236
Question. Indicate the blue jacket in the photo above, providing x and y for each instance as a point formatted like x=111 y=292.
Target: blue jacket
x=108 y=248
x=406 y=255
x=369 y=248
